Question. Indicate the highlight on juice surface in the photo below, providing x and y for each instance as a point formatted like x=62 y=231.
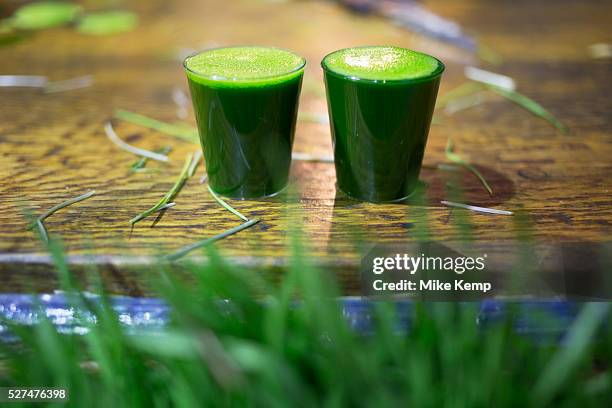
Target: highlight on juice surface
x=380 y=101
x=246 y=101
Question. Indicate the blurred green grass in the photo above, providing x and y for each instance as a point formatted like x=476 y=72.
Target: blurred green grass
x=229 y=345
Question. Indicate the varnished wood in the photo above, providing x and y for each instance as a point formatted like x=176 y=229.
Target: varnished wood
x=53 y=147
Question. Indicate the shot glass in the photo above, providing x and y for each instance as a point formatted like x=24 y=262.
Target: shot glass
x=380 y=102
x=245 y=101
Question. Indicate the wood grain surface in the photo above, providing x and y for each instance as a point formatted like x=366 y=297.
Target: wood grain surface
x=53 y=146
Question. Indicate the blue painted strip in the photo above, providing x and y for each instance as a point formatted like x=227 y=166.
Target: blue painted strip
x=538 y=319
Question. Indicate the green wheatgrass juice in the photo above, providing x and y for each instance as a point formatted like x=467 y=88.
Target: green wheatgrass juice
x=381 y=102
x=246 y=101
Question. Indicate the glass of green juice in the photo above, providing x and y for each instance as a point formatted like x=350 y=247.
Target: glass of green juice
x=245 y=101
x=380 y=101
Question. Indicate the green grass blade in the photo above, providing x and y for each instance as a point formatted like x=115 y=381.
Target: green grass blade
x=40 y=220
x=455 y=158
x=114 y=137
x=107 y=22
x=65 y=204
x=313 y=117
x=185 y=133
x=530 y=105
x=567 y=358
x=465 y=102
x=142 y=162
x=465 y=89
x=226 y=205
x=44 y=14
x=312 y=157
x=42 y=231
x=194 y=163
x=206 y=242
x=184 y=175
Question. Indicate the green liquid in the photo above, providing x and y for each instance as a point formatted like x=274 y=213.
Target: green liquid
x=381 y=63
x=243 y=66
x=381 y=102
x=245 y=101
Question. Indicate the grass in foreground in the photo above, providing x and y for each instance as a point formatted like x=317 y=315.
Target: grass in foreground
x=235 y=339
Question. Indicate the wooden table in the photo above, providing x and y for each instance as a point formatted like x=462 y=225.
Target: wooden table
x=53 y=146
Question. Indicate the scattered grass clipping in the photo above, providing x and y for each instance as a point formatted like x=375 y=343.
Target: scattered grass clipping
x=465 y=89
x=183 y=132
x=113 y=137
x=197 y=156
x=471 y=87
x=69 y=84
x=568 y=358
x=167 y=198
x=45 y=14
x=465 y=102
x=203 y=243
x=40 y=220
x=312 y=157
x=30 y=81
x=226 y=205
x=476 y=208
x=490 y=78
x=314 y=117
x=455 y=158
x=529 y=105
x=206 y=242
x=140 y=164
x=107 y=22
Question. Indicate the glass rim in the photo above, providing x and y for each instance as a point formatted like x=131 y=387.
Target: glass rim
x=436 y=73
x=216 y=78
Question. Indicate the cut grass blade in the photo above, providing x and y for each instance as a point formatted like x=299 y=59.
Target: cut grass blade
x=40 y=220
x=194 y=163
x=69 y=84
x=36 y=81
x=476 y=208
x=489 y=78
x=226 y=205
x=441 y=166
x=170 y=194
x=567 y=358
x=44 y=14
x=530 y=105
x=107 y=22
x=186 y=249
x=455 y=158
x=30 y=81
x=314 y=117
x=467 y=88
x=112 y=135
x=525 y=102
x=66 y=203
x=165 y=207
x=464 y=102
x=42 y=231
x=312 y=158
x=141 y=163
x=447 y=167
x=182 y=132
